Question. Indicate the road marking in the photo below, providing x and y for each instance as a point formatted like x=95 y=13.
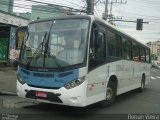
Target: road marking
x=153 y=78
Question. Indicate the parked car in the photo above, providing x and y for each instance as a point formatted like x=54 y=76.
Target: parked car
x=155 y=66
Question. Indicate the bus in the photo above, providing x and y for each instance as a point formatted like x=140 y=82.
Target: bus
x=80 y=60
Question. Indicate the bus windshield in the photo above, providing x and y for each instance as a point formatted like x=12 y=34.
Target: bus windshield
x=55 y=44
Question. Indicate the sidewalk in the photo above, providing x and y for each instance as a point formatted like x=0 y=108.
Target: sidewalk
x=8 y=77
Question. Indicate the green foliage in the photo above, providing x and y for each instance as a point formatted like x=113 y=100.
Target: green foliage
x=154 y=57
x=3 y=49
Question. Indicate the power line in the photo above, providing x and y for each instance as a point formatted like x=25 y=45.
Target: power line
x=73 y=3
x=96 y=11
x=53 y=4
x=39 y=9
x=98 y=8
x=68 y=2
x=150 y=21
x=142 y=15
x=44 y=10
x=96 y=2
x=83 y=9
x=49 y=2
x=154 y=19
x=150 y=2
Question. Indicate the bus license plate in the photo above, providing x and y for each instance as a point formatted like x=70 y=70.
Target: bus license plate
x=41 y=94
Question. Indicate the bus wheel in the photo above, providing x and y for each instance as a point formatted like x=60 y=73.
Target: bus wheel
x=110 y=95
x=142 y=84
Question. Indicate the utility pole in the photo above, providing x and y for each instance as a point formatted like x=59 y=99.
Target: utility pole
x=105 y=15
x=115 y=2
x=90 y=7
x=108 y=13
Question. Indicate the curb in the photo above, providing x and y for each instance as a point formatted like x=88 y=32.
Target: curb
x=7 y=93
x=7 y=68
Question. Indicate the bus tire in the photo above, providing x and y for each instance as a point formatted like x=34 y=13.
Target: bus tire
x=141 y=89
x=110 y=95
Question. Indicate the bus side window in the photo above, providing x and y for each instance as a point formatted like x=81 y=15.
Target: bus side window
x=127 y=49
x=118 y=46
x=114 y=44
x=111 y=44
x=136 y=52
x=142 y=55
x=101 y=51
x=97 y=53
x=147 y=56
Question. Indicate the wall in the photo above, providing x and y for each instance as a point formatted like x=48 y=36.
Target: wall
x=13 y=53
x=6 y=18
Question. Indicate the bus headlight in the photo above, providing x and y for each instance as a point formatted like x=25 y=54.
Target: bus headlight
x=75 y=83
x=20 y=79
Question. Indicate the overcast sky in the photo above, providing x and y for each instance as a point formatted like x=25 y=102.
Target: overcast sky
x=149 y=11
x=146 y=9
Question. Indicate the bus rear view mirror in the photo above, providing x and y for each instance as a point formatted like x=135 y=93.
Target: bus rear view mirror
x=20 y=32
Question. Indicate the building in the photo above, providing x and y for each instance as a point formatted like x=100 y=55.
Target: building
x=25 y=15
x=8 y=24
x=46 y=11
x=155 y=49
x=6 y=5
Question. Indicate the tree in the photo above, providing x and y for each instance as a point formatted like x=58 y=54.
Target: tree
x=154 y=57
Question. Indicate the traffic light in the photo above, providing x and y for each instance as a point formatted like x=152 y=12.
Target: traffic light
x=139 y=24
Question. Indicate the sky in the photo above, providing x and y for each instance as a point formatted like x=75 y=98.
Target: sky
x=148 y=10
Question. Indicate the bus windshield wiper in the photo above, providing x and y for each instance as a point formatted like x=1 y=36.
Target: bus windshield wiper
x=38 y=50
x=46 y=50
x=57 y=63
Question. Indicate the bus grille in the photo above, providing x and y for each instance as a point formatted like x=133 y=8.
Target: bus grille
x=43 y=87
x=43 y=75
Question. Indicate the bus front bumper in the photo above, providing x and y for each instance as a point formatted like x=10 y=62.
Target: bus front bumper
x=71 y=97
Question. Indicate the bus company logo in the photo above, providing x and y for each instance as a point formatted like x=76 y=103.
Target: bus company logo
x=90 y=87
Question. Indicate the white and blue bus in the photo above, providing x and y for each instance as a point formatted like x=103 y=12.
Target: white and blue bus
x=78 y=61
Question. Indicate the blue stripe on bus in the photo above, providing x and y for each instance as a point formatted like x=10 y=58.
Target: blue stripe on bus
x=48 y=79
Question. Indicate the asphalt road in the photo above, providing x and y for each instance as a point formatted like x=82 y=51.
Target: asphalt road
x=129 y=103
